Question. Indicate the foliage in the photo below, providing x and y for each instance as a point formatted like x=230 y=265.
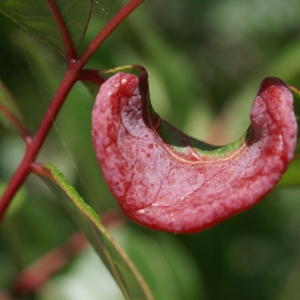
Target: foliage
x=205 y=60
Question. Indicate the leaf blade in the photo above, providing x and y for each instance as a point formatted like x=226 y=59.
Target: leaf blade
x=117 y=262
x=36 y=17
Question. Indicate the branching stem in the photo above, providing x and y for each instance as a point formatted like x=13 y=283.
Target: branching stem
x=72 y=75
x=107 y=30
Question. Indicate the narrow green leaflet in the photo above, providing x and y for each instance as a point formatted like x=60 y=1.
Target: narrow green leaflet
x=117 y=262
x=10 y=115
x=291 y=177
x=35 y=16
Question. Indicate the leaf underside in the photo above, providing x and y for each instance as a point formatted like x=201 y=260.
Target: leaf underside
x=117 y=262
x=35 y=16
x=166 y=180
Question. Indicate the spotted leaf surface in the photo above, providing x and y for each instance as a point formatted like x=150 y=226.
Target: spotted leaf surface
x=166 y=180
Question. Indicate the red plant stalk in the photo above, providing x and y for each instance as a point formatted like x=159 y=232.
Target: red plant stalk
x=35 y=275
x=69 y=48
x=22 y=131
x=72 y=75
x=39 y=272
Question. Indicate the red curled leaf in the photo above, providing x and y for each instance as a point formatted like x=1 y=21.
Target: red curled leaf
x=166 y=180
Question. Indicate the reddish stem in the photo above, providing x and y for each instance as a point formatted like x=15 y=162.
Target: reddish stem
x=107 y=30
x=91 y=76
x=38 y=140
x=64 y=33
x=4 y=295
x=72 y=75
x=38 y=273
x=35 y=275
x=22 y=131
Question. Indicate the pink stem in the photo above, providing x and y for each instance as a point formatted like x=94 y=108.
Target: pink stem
x=71 y=76
x=91 y=76
x=67 y=41
x=38 y=140
x=107 y=30
x=35 y=275
x=22 y=131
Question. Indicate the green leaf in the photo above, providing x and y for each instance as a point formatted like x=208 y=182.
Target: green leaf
x=177 y=277
x=35 y=16
x=291 y=176
x=10 y=115
x=115 y=259
x=19 y=199
x=296 y=94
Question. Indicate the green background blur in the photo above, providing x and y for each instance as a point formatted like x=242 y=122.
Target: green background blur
x=205 y=60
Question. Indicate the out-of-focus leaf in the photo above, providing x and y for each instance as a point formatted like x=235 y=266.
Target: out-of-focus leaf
x=85 y=268
x=115 y=259
x=231 y=121
x=296 y=94
x=159 y=53
x=10 y=115
x=177 y=277
x=35 y=16
x=291 y=176
x=19 y=199
x=43 y=61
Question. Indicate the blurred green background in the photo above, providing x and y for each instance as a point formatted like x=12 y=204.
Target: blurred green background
x=205 y=60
